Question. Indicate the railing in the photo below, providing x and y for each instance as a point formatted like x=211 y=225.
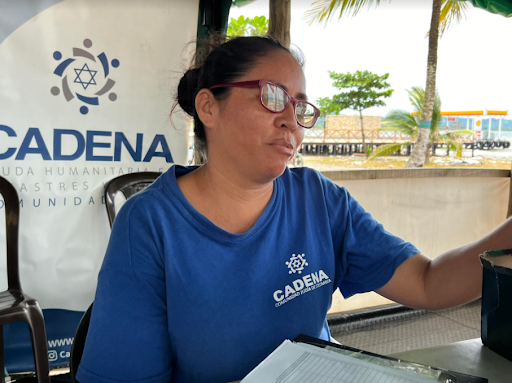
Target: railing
x=467 y=138
x=330 y=136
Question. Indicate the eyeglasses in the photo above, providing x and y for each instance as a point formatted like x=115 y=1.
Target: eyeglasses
x=275 y=99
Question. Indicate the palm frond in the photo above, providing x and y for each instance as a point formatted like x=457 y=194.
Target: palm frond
x=416 y=97
x=404 y=130
x=450 y=143
x=399 y=115
x=437 y=117
x=460 y=132
x=323 y=10
x=452 y=12
x=386 y=150
x=400 y=120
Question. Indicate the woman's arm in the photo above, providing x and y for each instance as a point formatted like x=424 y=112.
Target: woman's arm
x=449 y=280
x=128 y=337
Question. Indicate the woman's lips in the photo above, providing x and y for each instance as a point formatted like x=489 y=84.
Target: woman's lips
x=283 y=146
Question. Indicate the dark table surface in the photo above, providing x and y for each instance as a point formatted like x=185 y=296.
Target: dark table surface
x=469 y=357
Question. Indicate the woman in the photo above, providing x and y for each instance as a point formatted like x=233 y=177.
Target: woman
x=209 y=269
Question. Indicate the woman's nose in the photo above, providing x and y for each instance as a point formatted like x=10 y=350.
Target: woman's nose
x=288 y=119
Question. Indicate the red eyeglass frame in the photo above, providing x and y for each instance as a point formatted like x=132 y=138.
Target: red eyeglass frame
x=259 y=83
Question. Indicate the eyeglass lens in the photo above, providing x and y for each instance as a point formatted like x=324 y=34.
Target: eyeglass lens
x=276 y=99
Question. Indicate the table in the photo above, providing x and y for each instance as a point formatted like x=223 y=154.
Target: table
x=468 y=357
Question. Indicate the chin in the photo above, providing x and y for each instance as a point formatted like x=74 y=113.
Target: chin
x=269 y=170
x=276 y=170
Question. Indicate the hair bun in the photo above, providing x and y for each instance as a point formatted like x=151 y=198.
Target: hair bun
x=187 y=90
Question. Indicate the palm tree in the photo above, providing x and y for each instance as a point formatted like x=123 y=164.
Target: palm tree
x=444 y=12
x=409 y=124
x=419 y=153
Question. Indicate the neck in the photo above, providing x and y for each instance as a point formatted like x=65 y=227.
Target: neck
x=230 y=202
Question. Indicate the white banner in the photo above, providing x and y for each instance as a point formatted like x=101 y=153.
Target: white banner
x=86 y=87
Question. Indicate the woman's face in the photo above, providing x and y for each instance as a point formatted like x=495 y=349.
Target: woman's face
x=251 y=140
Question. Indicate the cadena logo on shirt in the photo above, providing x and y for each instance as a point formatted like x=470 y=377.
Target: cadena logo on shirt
x=302 y=285
x=296 y=263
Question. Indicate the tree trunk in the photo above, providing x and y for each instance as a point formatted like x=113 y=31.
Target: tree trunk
x=418 y=154
x=430 y=147
x=279 y=21
x=362 y=132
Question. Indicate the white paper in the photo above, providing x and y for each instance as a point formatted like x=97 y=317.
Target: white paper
x=303 y=363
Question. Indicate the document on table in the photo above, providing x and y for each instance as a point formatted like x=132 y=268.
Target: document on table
x=304 y=363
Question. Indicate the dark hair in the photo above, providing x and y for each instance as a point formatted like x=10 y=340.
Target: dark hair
x=222 y=62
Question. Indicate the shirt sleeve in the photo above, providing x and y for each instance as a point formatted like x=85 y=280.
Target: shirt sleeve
x=128 y=338
x=366 y=254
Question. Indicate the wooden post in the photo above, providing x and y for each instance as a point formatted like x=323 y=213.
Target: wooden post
x=279 y=21
x=509 y=213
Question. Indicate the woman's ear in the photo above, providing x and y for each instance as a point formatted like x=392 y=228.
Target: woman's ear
x=206 y=107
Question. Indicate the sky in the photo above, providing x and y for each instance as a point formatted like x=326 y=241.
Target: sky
x=474 y=69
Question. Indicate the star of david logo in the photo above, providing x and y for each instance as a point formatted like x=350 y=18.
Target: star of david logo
x=85 y=76
x=90 y=75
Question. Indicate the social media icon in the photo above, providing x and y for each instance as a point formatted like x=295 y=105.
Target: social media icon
x=52 y=355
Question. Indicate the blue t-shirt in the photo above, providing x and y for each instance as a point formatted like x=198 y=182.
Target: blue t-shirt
x=179 y=299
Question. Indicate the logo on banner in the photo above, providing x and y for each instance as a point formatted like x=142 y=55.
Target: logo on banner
x=85 y=76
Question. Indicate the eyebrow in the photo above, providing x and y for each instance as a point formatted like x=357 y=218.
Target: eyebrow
x=300 y=96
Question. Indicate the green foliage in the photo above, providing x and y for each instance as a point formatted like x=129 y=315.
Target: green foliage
x=243 y=26
x=452 y=11
x=323 y=10
x=402 y=121
x=237 y=27
x=416 y=97
x=408 y=124
x=241 y=3
x=363 y=90
x=328 y=106
x=387 y=150
x=450 y=139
